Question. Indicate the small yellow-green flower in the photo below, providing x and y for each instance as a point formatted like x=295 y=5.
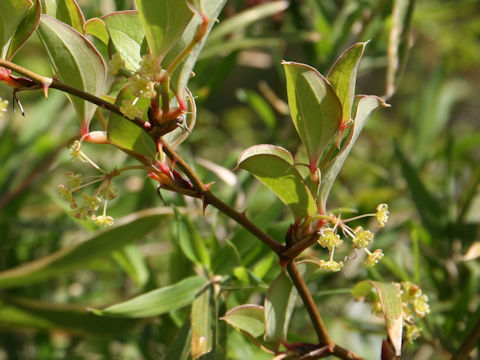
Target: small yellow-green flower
x=363 y=238
x=3 y=107
x=373 y=258
x=115 y=64
x=75 y=150
x=382 y=215
x=66 y=193
x=73 y=180
x=141 y=87
x=130 y=110
x=109 y=191
x=91 y=202
x=103 y=220
x=420 y=305
x=412 y=332
x=330 y=265
x=149 y=66
x=329 y=239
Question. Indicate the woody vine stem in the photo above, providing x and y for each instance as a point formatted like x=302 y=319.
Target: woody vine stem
x=286 y=254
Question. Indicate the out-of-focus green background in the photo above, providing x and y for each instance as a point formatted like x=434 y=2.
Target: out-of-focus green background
x=420 y=156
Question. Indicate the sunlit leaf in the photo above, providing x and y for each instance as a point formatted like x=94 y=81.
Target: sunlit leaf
x=127 y=230
x=248 y=318
x=315 y=109
x=70 y=13
x=202 y=322
x=97 y=28
x=11 y=14
x=76 y=62
x=159 y=301
x=274 y=167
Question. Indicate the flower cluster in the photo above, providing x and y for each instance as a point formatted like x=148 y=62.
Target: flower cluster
x=361 y=238
x=87 y=204
x=414 y=305
x=3 y=106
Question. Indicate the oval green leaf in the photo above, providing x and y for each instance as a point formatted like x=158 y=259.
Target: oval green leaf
x=248 y=318
x=159 y=301
x=11 y=14
x=70 y=13
x=274 y=167
x=315 y=109
x=97 y=28
x=76 y=62
x=164 y=22
x=343 y=77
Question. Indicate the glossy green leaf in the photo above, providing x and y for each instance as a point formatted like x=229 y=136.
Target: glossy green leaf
x=190 y=241
x=248 y=318
x=399 y=42
x=159 y=301
x=274 y=167
x=17 y=312
x=164 y=22
x=125 y=134
x=364 y=109
x=25 y=29
x=76 y=62
x=97 y=28
x=11 y=14
x=390 y=300
x=315 y=109
x=132 y=261
x=127 y=35
x=70 y=13
x=126 y=230
x=183 y=73
x=343 y=77
x=202 y=323
x=280 y=303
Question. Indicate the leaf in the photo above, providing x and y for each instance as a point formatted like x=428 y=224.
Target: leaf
x=315 y=109
x=76 y=62
x=365 y=107
x=343 y=77
x=18 y=312
x=180 y=349
x=25 y=29
x=274 y=167
x=390 y=300
x=133 y=263
x=190 y=241
x=11 y=14
x=202 y=322
x=399 y=42
x=164 y=22
x=127 y=35
x=159 y=301
x=97 y=28
x=125 y=134
x=70 y=13
x=280 y=303
x=248 y=318
x=66 y=260
x=259 y=105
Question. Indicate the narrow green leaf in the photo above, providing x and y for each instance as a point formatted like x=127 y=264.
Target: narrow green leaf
x=127 y=230
x=97 y=28
x=125 y=134
x=315 y=109
x=11 y=14
x=17 y=312
x=390 y=300
x=280 y=303
x=190 y=241
x=164 y=22
x=399 y=42
x=343 y=77
x=133 y=263
x=76 y=62
x=274 y=167
x=364 y=108
x=202 y=322
x=248 y=318
x=180 y=349
x=25 y=29
x=70 y=13
x=159 y=301
x=259 y=105
x=127 y=35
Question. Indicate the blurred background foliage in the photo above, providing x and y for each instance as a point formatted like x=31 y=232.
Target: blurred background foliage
x=420 y=156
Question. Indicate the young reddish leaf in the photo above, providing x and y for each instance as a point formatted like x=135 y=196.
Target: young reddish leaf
x=97 y=28
x=364 y=109
x=164 y=22
x=159 y=301
x=391 y=302
x=76 y=62
x=248 y=318
x=25 y=29
x=274 y=167
x=127 y=35
x=343 y=77
x=70 y=13
x=11 y=14
x=315 y=109
x=202 y=322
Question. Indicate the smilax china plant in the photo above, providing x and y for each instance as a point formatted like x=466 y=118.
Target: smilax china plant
x=128 y=71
